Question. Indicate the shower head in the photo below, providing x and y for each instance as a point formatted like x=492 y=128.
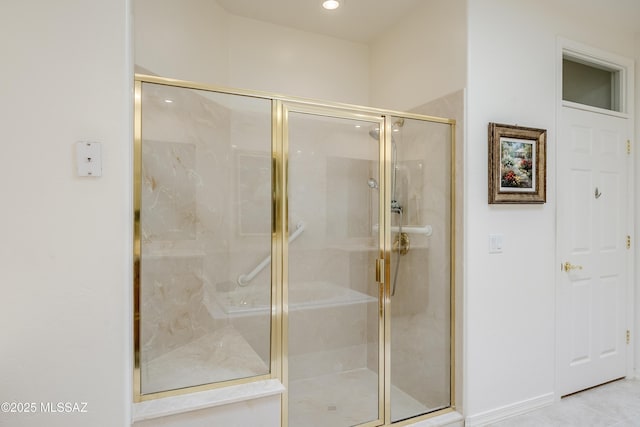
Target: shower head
x=372 y=183
x=375 y=132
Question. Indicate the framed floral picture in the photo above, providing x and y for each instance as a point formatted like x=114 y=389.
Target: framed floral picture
x=517 y=164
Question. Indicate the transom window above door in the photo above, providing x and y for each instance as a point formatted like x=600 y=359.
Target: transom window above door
x=591 y=83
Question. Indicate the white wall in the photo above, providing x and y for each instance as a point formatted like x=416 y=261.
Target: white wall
x=421 y=58
x=200 y=41
x=277 y=59
x=65 y=251
x=417 y=60
x=510 y=324
x=184 y=39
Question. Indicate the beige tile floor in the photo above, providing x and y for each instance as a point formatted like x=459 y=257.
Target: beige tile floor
x=616 y=404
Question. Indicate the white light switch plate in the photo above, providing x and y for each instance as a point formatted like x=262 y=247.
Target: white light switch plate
x=496 y=241
x=89 y=158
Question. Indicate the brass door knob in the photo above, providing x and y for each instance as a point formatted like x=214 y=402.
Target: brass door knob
x=567 y=266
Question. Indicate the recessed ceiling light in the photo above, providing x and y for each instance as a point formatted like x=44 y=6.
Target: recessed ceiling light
x=168 y=101
x=331 y=4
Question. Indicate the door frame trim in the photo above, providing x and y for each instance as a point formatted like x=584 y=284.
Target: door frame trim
x=626 y=68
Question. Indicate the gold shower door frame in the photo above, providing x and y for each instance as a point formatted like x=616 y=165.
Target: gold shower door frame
x=281 y=107
x=384 y=238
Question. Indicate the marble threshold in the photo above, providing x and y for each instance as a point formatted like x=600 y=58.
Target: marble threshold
x=205 y=399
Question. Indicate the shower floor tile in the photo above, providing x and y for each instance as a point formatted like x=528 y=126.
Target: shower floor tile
x=218 y=356
x=344 y=399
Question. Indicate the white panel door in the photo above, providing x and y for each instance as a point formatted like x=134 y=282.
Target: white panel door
x=592 y=218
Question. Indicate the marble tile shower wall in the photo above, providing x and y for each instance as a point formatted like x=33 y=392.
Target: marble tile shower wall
x=420 y=307
x=174 y=233
x=190 y=210
x=329 y=168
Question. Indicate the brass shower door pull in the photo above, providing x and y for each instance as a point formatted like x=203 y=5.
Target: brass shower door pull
x=567 y=266
x=380 y=270
x=380 y=280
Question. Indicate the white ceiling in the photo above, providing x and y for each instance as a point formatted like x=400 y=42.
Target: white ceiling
x=362 y=20
x=355 y=20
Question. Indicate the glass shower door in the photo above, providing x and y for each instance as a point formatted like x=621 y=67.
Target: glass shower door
x=355 y=315
x=332 y=311
x=203 y=202
x=421 y=267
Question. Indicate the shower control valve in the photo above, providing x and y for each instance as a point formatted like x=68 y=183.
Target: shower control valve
x=402 y=243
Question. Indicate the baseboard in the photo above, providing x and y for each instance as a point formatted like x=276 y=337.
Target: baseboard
x=509 y=411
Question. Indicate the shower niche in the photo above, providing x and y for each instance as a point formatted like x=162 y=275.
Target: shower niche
x=301 y=241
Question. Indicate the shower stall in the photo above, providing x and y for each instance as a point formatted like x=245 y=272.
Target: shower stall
x=305 y=241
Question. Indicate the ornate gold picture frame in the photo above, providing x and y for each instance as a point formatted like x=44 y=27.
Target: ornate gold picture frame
x=517 y=164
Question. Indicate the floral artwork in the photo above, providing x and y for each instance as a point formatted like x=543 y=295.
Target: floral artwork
x=517 y=164
x=517 y=157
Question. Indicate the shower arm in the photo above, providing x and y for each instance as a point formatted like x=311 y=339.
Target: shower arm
x=244 y=279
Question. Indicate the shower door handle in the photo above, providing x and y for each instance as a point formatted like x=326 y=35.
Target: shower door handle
x=380 y=270
x=380 y=280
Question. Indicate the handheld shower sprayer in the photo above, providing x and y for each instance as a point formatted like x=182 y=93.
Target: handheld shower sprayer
x=401 y=243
